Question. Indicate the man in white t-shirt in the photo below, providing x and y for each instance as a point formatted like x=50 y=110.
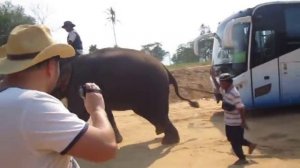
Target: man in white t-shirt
x=73 y=37
x=36 y=129
x=234 y=118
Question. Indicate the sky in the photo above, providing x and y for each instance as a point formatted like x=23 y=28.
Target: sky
x=139 y=22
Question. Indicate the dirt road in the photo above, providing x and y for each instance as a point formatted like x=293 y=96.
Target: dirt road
x=203 y=143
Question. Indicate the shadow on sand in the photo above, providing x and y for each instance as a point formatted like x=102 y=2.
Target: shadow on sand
x=141 y=153
x=276 y=131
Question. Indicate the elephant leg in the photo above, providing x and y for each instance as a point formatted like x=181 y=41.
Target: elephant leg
x=171 y=134
x=165 y=125
x=157 y=114
x=159 y=130
x=111 y=119
x=76 y=106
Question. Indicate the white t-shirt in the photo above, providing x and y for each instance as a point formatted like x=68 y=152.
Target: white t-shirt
x=36 y=130
x=71 y=37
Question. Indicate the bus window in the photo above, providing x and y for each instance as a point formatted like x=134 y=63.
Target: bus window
x=291 y=15
x=263 y=46
x=267 y=34
x=232 y=60
x=239 y=51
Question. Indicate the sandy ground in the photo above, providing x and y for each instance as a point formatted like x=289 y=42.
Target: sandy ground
x=203 y=142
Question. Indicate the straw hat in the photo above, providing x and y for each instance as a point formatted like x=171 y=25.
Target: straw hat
x=28 y=45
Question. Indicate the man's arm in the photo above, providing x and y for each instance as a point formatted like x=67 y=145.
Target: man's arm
x=70 y=42
x=71 y=37
x=217 y=93
x=242 y=113
x=98 y=142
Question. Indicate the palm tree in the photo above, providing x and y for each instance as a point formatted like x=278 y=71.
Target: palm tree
x=112 y=19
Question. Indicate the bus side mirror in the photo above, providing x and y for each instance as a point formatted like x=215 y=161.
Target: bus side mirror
x=227 y=41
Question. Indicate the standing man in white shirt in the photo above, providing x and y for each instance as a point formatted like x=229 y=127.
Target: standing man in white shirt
x=73 y=37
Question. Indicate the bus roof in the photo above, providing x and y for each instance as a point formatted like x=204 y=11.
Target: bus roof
x=250 y=11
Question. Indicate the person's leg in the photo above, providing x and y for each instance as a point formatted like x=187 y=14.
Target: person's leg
x=251 y=148
x=237 y=144
x=245 y=142
x=234 y=136
x=238 y=150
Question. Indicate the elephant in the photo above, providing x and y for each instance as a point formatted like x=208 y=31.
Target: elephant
x=129 y=79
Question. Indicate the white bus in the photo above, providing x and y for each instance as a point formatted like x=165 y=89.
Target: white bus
x=260 y=47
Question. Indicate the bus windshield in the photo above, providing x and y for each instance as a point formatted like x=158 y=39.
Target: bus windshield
x=232 y=60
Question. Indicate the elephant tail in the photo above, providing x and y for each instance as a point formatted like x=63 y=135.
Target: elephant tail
x=174 y=82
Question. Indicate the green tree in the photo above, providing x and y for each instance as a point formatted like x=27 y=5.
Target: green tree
x=185 y=54
x=40 y=12
x=204 y=29
x=11 y=16
x=93 y=48
x=205 y=45
x=205 y=48
x=155 y=50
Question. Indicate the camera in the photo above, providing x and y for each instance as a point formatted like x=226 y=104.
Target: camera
x=83 y=90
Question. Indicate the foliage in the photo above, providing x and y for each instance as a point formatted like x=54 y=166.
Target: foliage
x=205 y=48
x=155 y=49
x=205 y=45
x=11 y=16
x=40 y=13
x=93 y=48
x=185 y=54
x=204 y=29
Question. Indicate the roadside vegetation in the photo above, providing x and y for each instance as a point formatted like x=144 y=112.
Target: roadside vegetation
x=12 y=15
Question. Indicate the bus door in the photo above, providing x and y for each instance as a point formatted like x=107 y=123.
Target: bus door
x=264 y=71
x=289 y=80
x=266 y=48
x=289 y=62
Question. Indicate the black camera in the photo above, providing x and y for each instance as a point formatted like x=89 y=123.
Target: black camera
x=83 y=90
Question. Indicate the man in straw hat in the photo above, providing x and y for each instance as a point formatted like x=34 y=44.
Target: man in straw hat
x=36 y=129
x=73 y=37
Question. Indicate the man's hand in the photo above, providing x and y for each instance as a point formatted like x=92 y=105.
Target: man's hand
x=245 y=125
x=93 y=101
x=218 y=97
x=98 y=143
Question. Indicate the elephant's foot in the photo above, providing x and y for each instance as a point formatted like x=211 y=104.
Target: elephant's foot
x=171 y=136
x=169 y=140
